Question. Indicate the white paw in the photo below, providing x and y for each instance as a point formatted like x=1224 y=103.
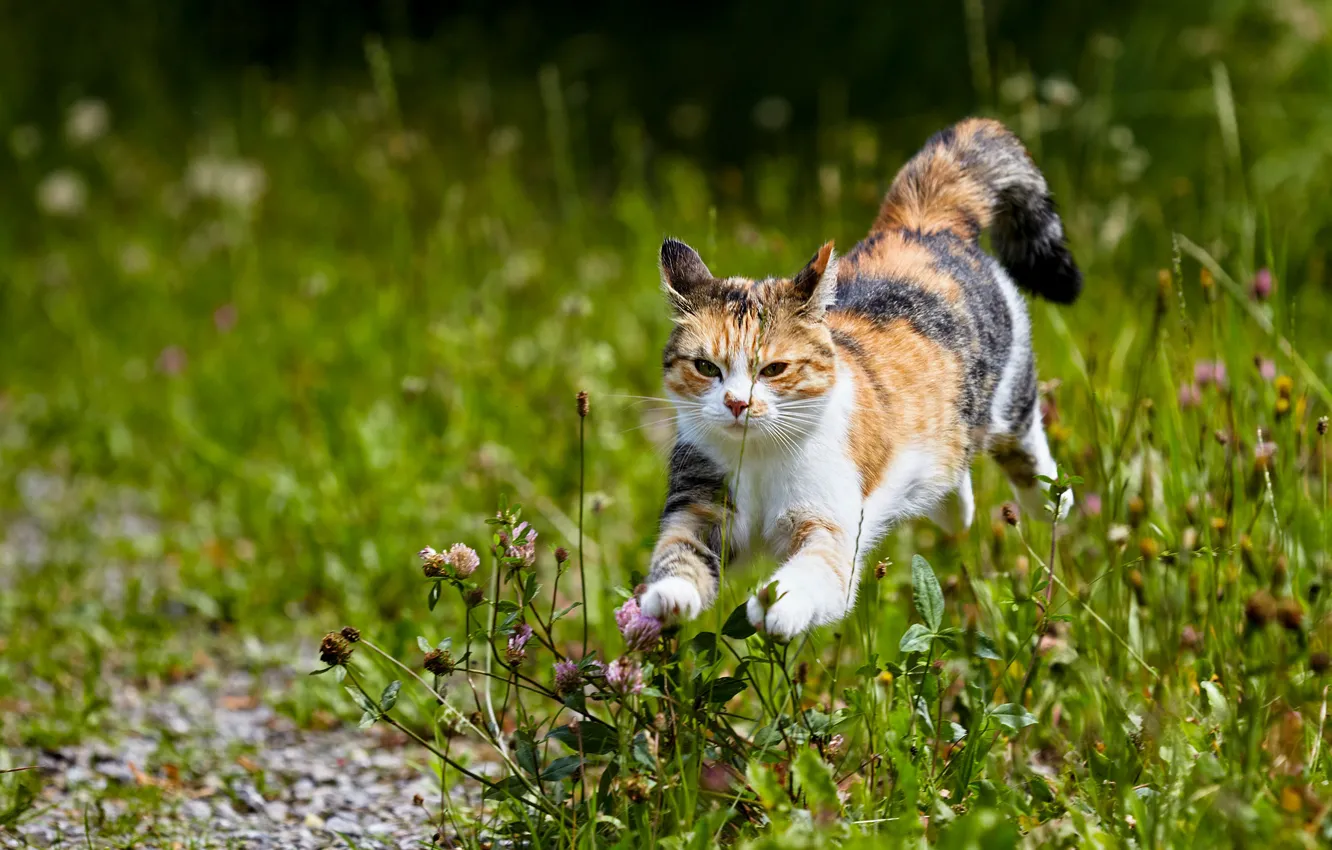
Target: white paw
x=671 y=599
x=789 y=612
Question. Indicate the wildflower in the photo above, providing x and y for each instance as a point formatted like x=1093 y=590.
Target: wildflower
x=87 y=121
x=1261 y=287
x=567 y=677
x=1189 y=639
x=438 y=662
x=235 y=183
x=1149 y=548
x=624 y=676
x=1266 y=367
x=583 y=407
x=464 y=559
x=1263 y=454
x=334 y=649
x=640 y=631
x=627 y=613
x=516 y=651
x=835 y=747
x=62 y=193
x=224 y=317
x=522 y=545
x=1284 y=386
x=1190 y=395
x=561 y=555
x=642 y=634
x=351 y=634
x=1118 y=534
x=172 y=360
x=1010 y=513
x=1209 y=372
x=1260 y=609
x=1091 y=504
x=1207 y=281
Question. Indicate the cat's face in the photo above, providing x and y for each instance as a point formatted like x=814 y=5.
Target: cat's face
x=746 y=355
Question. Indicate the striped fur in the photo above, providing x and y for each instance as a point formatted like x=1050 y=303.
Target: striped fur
x=859 y=390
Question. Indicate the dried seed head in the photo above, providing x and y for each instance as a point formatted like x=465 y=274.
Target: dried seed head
x=334 y=649
x=1290 y=614
x=1322 y=426
x=1136 y=508
x=1319 y=662
x=1218 y=523
x=881 y=570
x=418 y=800
x=583 y=407
x=352 y=635
x=561 y=555
x=474 y=597
x=439 y=662
x=1260 y=609
x=1010 y=513
x=1149 y=548
x=1221 y=437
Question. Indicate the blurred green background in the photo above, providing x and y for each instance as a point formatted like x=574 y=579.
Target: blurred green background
x=288 y=292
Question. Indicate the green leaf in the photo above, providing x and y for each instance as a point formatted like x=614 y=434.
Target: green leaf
x=1216 y=702
x=917 y=639
x=562 y=768
x=986 y=647
x=814 y=777
x=423 y=644
x=597 y=738
x=361 y=700
x=367 y=720
x=925 y=589
x=704 y=643
x=923 y=712
x=737 y=625
x=433 y=599
x=513 y=786
x=604 y=800
x=525 y=751
x=389 y=698
x=340 y=673
x=1012 y=716
x=722 y=690
x=767 y=736
x=564 y=611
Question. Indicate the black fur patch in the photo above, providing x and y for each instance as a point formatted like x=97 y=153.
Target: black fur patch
x=1030 y=242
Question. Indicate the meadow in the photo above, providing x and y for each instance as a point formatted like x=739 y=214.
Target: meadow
x=258 y=353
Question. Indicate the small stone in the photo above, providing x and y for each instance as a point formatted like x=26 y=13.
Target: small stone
x=277 y=811
x=342 y=824
x=197 y=810
x=248 y=798
x=314 y=821
x=303 y=789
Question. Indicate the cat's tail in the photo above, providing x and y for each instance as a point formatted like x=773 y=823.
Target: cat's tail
x=974 y=175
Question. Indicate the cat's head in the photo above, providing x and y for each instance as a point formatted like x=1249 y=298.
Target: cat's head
x=747 y=354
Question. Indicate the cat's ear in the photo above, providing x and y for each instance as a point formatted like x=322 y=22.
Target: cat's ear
x=683 y=274
x=815 y=287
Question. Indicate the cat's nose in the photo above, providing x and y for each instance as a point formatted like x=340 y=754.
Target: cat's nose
x=737 y=405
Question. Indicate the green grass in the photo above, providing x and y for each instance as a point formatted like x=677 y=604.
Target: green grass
x=388 y=341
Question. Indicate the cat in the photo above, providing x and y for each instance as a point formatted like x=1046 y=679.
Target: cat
x=815 y=412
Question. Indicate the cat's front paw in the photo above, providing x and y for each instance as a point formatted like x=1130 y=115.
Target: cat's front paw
x=777 y=612
x=672 y=599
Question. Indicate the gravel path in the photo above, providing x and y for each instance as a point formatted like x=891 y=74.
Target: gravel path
x=208 y=765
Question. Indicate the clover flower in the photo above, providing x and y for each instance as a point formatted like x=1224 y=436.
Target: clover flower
x=567 y=677
x=624 y=677
x=516 y=651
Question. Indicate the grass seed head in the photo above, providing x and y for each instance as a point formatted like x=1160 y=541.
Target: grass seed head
x=1290 y=614
x=351 y=634
x=583 y=407
x=1260 y=609
x=1010 y=513
x=334 y=649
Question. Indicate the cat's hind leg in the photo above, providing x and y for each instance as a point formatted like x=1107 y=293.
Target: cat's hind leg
x=1026 y=459
x=954 y=514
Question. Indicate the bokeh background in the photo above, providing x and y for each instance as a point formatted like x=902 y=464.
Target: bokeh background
x=288 y=291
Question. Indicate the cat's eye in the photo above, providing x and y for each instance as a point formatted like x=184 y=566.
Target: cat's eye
x=707 y=368
x=772 y=370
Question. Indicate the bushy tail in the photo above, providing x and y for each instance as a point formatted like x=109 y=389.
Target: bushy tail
x=974 y=175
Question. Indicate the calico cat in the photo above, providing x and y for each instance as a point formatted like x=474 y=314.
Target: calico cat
x=821 y=409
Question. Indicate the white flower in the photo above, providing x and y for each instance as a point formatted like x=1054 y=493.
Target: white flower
x=87 y=121
x=238 y=183
x=62 y=193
